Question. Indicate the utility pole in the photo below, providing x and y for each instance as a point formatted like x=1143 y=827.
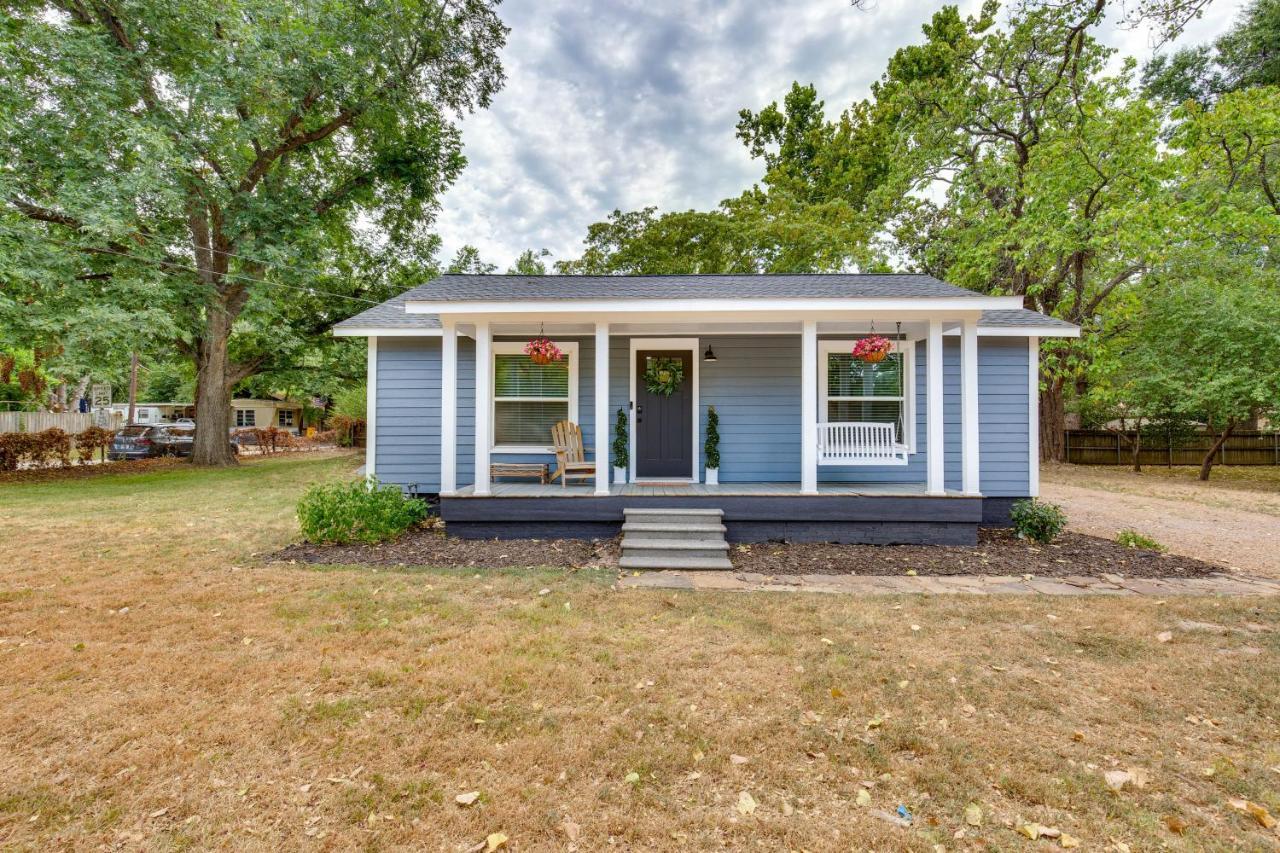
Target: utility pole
x=133 y=386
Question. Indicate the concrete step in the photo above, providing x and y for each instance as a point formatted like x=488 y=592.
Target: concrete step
x=673 y=516
x=644 y=532
x=675 y=549
x=649 y=561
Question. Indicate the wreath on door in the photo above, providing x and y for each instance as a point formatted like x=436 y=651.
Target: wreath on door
x=663 y=375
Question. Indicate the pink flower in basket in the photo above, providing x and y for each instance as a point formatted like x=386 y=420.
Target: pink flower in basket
x=872 y=349
x=542 y=351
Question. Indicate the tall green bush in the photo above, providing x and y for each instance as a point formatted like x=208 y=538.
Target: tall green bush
x=337 y=513
x=711 y=447
x=621 y=452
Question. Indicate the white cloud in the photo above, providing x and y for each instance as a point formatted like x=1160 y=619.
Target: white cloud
x=634 y=102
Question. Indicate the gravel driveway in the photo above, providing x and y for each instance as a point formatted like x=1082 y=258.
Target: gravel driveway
x=1233 y=524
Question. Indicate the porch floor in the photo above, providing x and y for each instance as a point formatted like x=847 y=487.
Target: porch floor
x=587 y=490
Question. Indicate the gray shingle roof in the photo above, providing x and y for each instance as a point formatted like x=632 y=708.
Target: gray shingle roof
x=1014 y=317
x=390 y=315
x=451 y=288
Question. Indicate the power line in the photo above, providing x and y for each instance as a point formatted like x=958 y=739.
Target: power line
x=160 y=263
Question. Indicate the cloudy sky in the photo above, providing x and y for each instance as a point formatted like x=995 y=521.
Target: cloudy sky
x=626 y=103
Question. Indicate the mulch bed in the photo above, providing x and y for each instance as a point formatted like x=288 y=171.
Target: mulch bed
x=79 y=472
x=998 y=552
x=426 y=547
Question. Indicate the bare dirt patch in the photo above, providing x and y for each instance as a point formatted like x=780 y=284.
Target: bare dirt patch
x=1234 y=519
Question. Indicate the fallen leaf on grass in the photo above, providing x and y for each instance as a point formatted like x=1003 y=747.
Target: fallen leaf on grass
x=864 y=797
x=746 y=803
x=837 y=693
x=973 y=814
x=738 y=759
x=1069 y=841
x=467 y=799
x=1176 y=824
x=632 y=778
x=1255 y=811
x=1118 y=780
x=495 y=841
x=874 y=723
x=1165 y=636
x=159 y=813
x=570 y=830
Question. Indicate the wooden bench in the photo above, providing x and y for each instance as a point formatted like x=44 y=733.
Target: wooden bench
x=519 y=469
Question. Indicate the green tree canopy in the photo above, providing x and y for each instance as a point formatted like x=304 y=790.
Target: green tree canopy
x=239 y=160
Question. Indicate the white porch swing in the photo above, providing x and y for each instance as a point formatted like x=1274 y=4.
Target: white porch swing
x=849 y=443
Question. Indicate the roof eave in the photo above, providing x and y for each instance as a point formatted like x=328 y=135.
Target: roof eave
x=795 y=305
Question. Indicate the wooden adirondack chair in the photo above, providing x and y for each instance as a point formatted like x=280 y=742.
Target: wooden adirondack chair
x=571 y=458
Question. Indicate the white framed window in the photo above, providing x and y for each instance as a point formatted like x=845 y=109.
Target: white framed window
x=853 y=390
x=246 y=417
x=285 y=418
x=528 y=398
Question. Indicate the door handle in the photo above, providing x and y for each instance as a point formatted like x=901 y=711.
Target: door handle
x=639 y=413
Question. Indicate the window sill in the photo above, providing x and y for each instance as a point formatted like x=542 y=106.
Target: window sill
x=515 y=448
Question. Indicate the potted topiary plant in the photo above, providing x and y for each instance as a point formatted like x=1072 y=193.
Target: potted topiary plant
x=711 y=448
x=621 y=455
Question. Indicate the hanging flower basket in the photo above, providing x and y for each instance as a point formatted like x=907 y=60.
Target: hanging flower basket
x=663 y=375
x=873 y=349
x=542 y=351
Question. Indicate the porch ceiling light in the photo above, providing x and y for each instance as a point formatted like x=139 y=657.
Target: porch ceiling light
x=710 y=355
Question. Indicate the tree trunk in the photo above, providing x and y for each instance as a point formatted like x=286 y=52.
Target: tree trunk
x=1053 y=415
x=213 y=390
x=1137 y=451
x=1207 y=465
x=82 y=388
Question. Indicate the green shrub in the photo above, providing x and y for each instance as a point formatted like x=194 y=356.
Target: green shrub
x=1134 y=539
x=1037 y=521
x=336 y=513
x=621 y=451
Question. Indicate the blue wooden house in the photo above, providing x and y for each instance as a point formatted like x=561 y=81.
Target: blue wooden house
x=937 y=437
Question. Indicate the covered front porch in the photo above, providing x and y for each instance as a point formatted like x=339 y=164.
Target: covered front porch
x=790 y=425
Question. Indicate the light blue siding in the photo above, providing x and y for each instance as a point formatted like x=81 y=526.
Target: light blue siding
x=754 y=386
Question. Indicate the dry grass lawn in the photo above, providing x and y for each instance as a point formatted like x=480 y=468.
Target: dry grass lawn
x=160 y=687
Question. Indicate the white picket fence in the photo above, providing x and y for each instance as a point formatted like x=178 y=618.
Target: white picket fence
x=71 y=422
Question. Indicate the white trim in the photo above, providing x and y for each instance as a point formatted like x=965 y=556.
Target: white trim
x=483 y=408
x=970 y=420
x=798 y=305
x=371 y=411
x=936 y=480
x=1033 y=415
x=387 y=332
x=906 y=349
x=601 y=426
x=449 y=410
x=1028 y=331
x=983 y=331
x=809 y=408
x=570 y=349
x=637 y=344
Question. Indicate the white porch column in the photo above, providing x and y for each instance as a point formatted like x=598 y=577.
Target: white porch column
x=484 y=405
x=936 y=479
x=602 y=409
x=969 y=404
x=448 y=408
x=371 y=412
x=809 y=407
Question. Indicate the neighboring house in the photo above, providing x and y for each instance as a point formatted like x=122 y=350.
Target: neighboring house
x=245 y=413
x=815 y=445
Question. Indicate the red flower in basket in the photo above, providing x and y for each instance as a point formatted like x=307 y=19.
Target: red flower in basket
x=872 y=349
x=542 y=351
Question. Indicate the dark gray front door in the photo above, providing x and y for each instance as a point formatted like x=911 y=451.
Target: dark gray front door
x=664 y=424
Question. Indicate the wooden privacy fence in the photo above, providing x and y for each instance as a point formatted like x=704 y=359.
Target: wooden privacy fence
x=71 y=422
x=1105 y=447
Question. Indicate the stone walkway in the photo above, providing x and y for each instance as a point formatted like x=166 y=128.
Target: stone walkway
x=1221 y=584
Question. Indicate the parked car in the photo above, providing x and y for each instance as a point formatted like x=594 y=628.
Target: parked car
x=142 y=442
